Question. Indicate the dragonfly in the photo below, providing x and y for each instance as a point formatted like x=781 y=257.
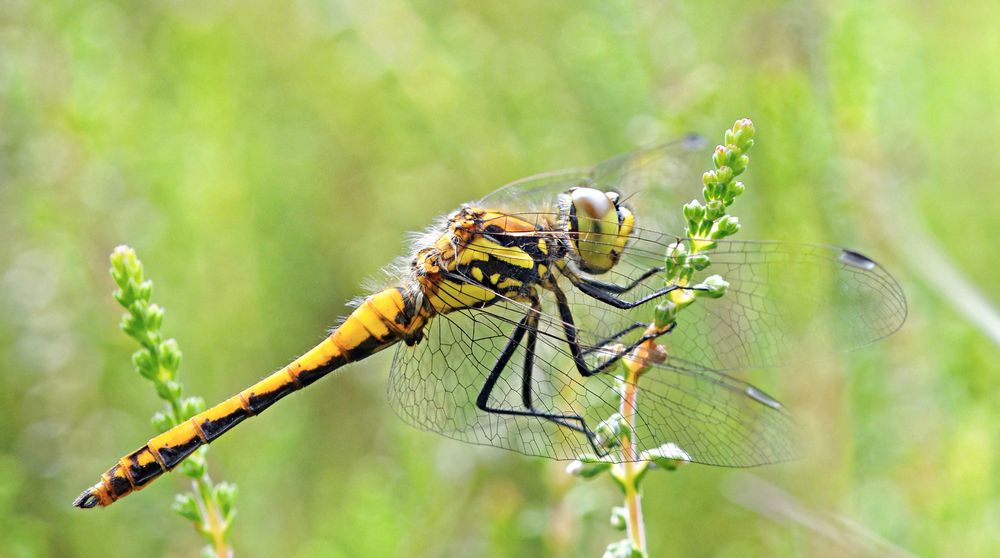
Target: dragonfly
x=511 y=313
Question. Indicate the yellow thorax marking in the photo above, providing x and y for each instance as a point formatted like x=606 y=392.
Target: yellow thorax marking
x=483 y=249
x=508 y=283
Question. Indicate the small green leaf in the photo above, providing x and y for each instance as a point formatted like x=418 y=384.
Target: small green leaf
x=170 y=355
x=154 y=317
x=186 y=506
x=609 y=431
x=193 y=467
x=699 y=261
x=714 y=286
x=668 y=456
x=727 y=225
x=619 y=518
x=161 y=422
x=665 y=314
x=225 y=495
x=587 y=468
x=622 y=549
x=144 y=363
x=191 y=406
x=169 y=390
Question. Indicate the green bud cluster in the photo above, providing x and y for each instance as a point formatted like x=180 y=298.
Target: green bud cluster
x=706 y=223
x=623 y=549
x=158 y=361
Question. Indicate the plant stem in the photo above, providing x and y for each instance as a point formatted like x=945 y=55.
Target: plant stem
x=633 y=500
x=214 y=526
x=635 y=365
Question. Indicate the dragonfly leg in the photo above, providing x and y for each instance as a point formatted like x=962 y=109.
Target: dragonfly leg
x=574 y=345
x=528 y=325
x=612 y=300
x=608 y=340
x=619 y=289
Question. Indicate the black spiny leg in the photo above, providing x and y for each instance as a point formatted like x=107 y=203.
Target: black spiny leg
x=608 y=340
x=605 y=292
x=574 y=346
x=620 y=289
x=610 y=299
x=526 y=398
x=529 y=325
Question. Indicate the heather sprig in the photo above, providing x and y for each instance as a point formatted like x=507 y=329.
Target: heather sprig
x=707 y=223
x=210 y=507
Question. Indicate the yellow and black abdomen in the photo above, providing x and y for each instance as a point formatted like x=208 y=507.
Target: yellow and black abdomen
x=378 y=322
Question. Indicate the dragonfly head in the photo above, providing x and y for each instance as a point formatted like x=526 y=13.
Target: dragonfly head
x=598 y=226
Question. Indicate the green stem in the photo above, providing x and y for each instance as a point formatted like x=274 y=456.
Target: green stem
x=635 y=364
x=633 y=499
x=214 y=525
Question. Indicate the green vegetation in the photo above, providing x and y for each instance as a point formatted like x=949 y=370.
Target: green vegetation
x=209 y=506
x=265 y=158
x=705 y=224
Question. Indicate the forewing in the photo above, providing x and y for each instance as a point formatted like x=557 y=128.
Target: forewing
x=782 y=297
x=651 y=178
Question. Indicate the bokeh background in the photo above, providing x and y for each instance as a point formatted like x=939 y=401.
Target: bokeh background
x=265 y=157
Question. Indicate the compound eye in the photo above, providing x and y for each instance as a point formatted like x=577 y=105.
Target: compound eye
x=591 y=202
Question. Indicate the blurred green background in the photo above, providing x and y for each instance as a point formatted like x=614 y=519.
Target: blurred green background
x=265 y=157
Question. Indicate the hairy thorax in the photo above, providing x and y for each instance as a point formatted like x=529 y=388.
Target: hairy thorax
x=484 y=257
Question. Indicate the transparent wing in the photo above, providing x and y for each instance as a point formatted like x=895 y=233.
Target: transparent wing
x=781 y=298
x=716 y=419
x=781 y=295
x=650 y=178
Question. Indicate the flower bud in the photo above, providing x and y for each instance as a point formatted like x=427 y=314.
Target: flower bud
x=742 y=134
x=668 y=456
x=161 y=422
x=154 y=317
x=665 y=314
x=714 y=210
x=619 y=518
x=735 y=190
x=169 y=390
x=739 y=164
x=587 y=467
x=675 y=260
x=699 y=261
x=713 y=287
x=193 y=467
x=694 y=211
x=609 y=431
x=225 y=494
x=170 y=355
x=186 y=507
x=727 y=225
x=720 y=157
x=191 y=406
x=144 y=290
x=144 y=364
